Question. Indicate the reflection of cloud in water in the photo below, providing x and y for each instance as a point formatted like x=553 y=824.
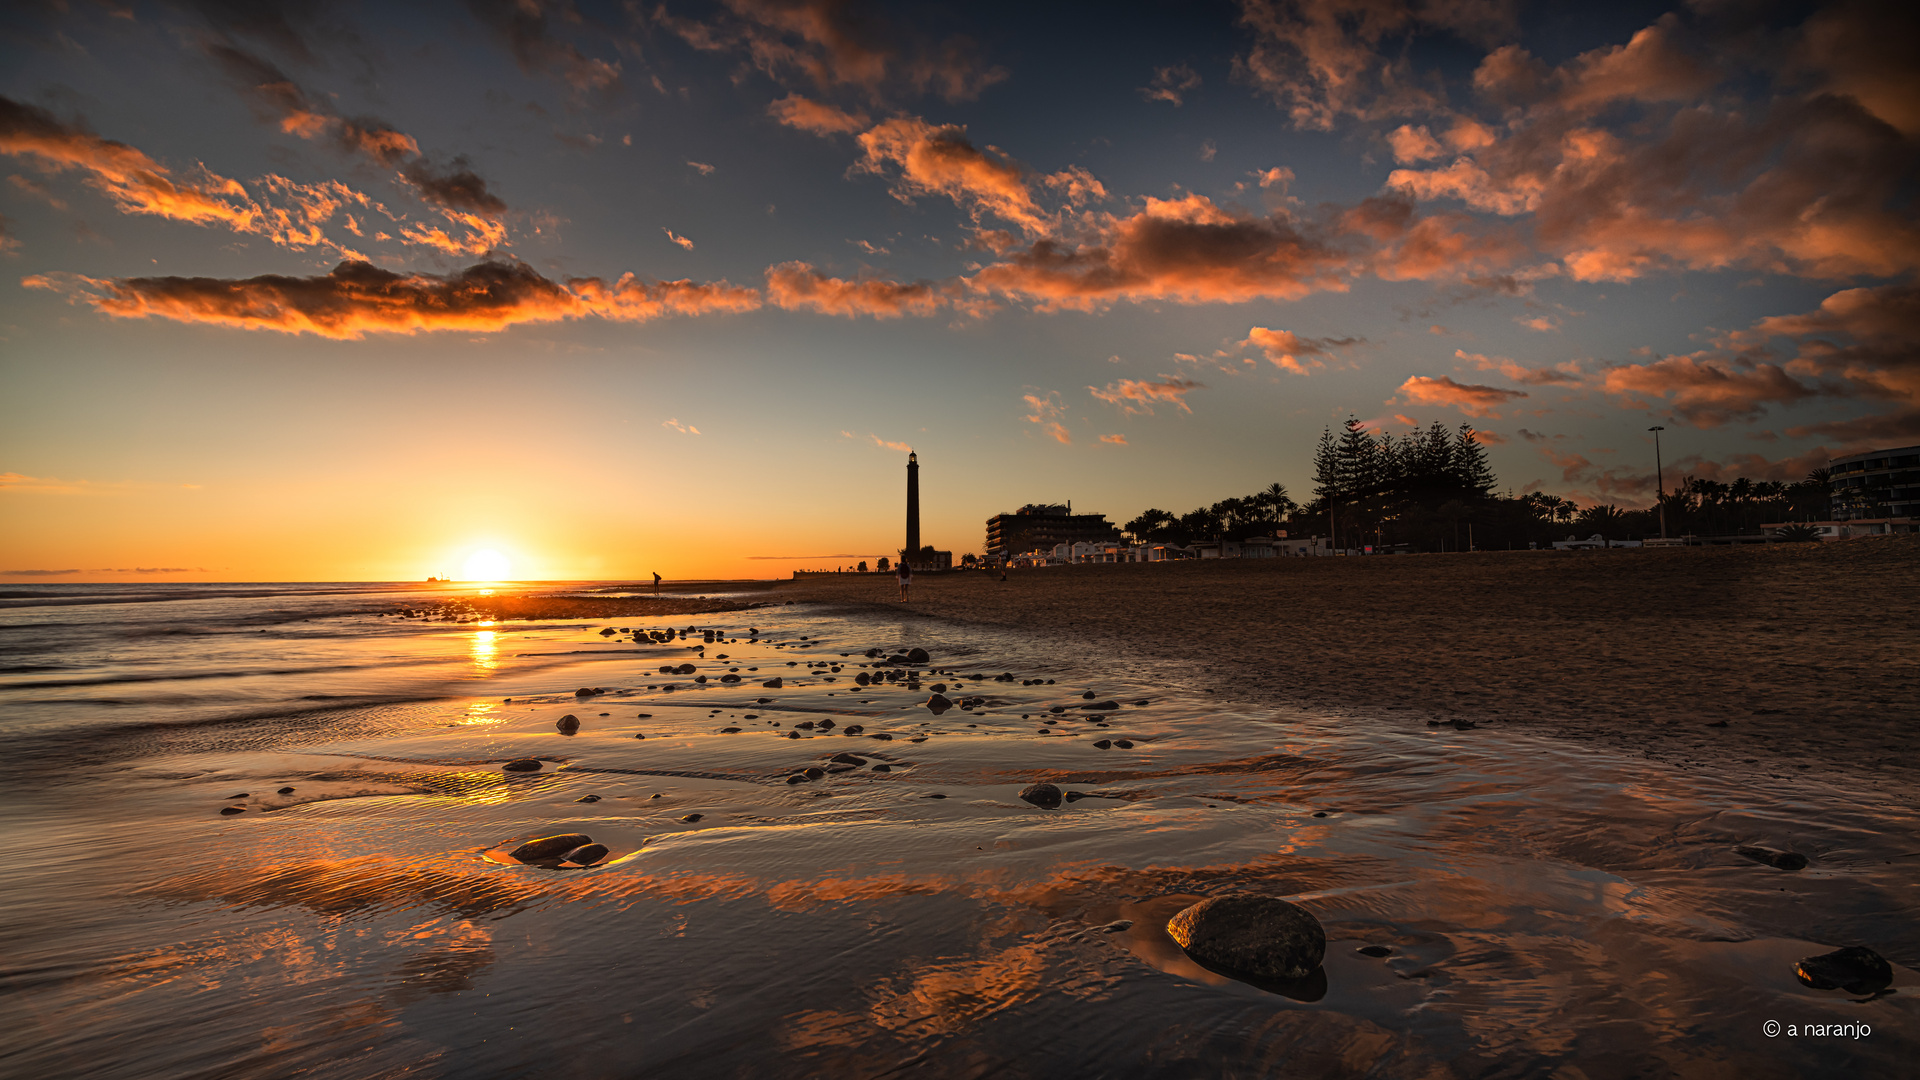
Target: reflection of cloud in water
x=362 y=886
x=449 y=967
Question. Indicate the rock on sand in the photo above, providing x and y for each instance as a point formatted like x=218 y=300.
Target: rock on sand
x=1774 y=857
x=1263 y=936
x=1044 y=796
x=525 y=764
x=587 y=855
x=1855 y=969
x=550 y=847
x=568 y=724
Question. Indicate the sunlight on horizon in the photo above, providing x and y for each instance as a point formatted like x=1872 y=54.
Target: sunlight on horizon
x=486 y=565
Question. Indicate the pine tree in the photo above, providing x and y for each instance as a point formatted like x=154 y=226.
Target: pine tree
x=1326 y=469
x=1434 y=458
x=1359 y=461
x=1470 y=467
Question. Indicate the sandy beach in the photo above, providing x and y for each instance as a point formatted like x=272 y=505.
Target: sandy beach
x=1804 y=652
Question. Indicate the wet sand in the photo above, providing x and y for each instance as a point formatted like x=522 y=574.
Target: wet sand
x=1805 y=652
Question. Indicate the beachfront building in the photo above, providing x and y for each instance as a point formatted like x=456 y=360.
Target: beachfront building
x=1045 y=526
x=1878 y=491
x=1253 y=547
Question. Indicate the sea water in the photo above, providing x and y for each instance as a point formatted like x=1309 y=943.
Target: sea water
x=1550 y=908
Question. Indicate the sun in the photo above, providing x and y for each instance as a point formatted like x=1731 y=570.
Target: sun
x=486 y=565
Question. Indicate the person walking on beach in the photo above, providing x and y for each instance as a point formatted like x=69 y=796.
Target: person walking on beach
x=656 y=583
x=906 y=578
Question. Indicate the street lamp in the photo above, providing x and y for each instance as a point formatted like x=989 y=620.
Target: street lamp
x=1659 y=480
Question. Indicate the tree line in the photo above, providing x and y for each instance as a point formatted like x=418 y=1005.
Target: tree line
x=1433 y=489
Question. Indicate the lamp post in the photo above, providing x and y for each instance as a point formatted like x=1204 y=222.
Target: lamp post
x=1659 y=480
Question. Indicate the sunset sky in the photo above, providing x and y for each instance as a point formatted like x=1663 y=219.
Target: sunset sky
x=314 y=291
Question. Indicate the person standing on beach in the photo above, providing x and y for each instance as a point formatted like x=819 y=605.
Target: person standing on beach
x=656 y=583
x=906 y=578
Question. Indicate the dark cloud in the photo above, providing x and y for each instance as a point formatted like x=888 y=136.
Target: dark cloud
x=457 y=186
x=526 y=27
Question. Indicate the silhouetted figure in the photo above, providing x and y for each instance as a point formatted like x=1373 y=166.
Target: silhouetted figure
x=906 y=578
x=656 y=583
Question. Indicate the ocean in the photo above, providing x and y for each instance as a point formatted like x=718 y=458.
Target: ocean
x=260 y=831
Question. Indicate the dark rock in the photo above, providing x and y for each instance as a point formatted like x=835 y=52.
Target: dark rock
x=587 y=855
x=826 y=725
x=1319 y=813
x=848 y=759
x=1774 y=857
x=286 y=791
x=1076 y=796
x=938 y=688
x=763 y=701
x=933 y=795
x=1102 y=705
x=1142 y=701
x=1463 y=725
x=729 y=678
x=1855 y=969
x=917 y=656
x=1374 y=950
x=684 y=669
x=700 y=678
x=639 y=736
x=242 y=795
x=549 y=847
x=729 y=731
x=1088 y=695
x=229 y=811
x=643 y=716
x=883 y=768
x=863 y=679
x=585 y=691
x=1044 y=796
x=813 y=772
x=691 y=818
x=793 y=734
x=854 y=729
x=797 y=778
x=1263 y=936
x=882 y=736
x=522 y=765
x=1117 y=926
x=938 y=704
x=1124 y=744
x=588 y=798
x=773 y=684
x=568 y=724
x=1058 y=709
x=608 y=632
x=1103 y=744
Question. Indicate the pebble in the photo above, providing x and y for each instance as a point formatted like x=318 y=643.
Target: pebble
x=242 y=795
x=1103 y=744
x=881 y=735
x=1774 y=857
x=1088 y=695
x=690 y=818
x=1102 y=705
x=568 y=724
x=1374 y=950
x=938 y=704
x=1855 y=969
x=549 y=847
x=853 y=729
x=735 y=731
x=286 y=791
x=933 y=795
x=848 y=759
x=1116 y=926
x=1124 y=744
x=772 y=684
x=797 y=778
x=522 y=765
x=1044 y=796
x=1263 y=936
x=588 y=798
x=639 y=736
x=230 y=810
x=587 y=855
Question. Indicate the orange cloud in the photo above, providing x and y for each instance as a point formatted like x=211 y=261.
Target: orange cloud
x=797 y=285
x=1170 y=84
x=1706 y=391
x=1116 y=440
x=934 y=160
x=1566 y=374
x=680 y=240
x=356 y=299
x=673 y=422
x=1284 y=348
x=816 y=117
x=1187 y=250
x=1135 y=396
x=1469 y=398
x=1047 y=411
x=885 y=445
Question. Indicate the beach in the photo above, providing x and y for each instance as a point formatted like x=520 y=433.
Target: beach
x=1805 y=653
x=257 y=831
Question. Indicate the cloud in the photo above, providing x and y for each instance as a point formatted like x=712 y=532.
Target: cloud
x=1567 y=374
x=1279 y=176
x=1320 y=60
x=523 y=26
x=1469 y=398
x=834 y=45
x=871 y=249
x=356 y=299
x=675 y=424
x=1188 y=250
x=1284 y=348
x=924 y=159
x=37 y=573
x=680 y=240
x=456 y=187
x=1865 y=432
x=1489 y=438
x=798 y=286
x=1170 y=84
x=1706 y=391
x=1135 y=397
x=816 y=117
x=1208 y=151
x=701 y=167
x=1411 y=144
x=1116 y=440
x=1542 y=323
x=885 y=445
x=1047 y=411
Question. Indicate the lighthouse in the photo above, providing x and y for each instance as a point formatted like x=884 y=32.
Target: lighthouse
x=912 y=553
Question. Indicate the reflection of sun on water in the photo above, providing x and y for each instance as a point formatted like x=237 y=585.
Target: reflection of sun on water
x=483 y=650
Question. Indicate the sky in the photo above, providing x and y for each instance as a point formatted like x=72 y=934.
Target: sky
x=342 y=291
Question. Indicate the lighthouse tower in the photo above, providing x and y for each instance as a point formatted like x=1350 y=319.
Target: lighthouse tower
x=912 y=554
